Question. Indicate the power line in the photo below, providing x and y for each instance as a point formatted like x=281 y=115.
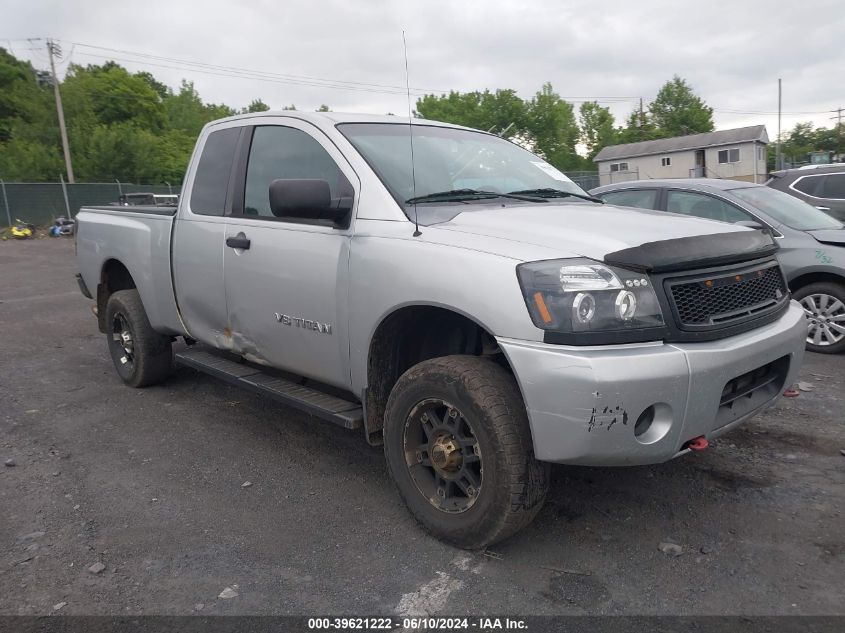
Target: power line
x=242 y=75
x=161 y=61
x=234 y=69
x=287 y=78
x=760 y=112
x=237 y=75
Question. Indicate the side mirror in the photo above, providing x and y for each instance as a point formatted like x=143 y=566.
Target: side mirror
x=307 y=199
x=751 y=224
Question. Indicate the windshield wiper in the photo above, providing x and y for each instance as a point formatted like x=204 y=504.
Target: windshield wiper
x=555 y=193
x=457 y=195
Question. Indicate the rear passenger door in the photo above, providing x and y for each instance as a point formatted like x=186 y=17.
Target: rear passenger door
x=824 y=191
x=199 y=235
x=287 y=290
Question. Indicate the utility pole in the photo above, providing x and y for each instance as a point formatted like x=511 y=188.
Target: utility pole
x=53 y=49
x=642 y=120
x=838 y=118
x=778 y=161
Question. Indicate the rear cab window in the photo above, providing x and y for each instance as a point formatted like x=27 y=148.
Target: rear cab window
x=211 y=181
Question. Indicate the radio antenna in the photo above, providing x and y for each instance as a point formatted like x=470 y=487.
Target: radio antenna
x=411 y=137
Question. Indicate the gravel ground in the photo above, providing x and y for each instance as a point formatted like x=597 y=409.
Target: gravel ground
x=150 y=486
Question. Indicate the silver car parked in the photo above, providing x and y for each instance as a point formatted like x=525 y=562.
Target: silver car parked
x=812 y=244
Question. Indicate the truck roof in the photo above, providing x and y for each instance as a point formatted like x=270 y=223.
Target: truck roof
x=333 y=118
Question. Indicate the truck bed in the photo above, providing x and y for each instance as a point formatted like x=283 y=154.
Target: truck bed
x=138 y=238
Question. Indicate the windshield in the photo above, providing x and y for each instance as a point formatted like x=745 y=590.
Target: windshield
x=449 y=160
x=785 y=209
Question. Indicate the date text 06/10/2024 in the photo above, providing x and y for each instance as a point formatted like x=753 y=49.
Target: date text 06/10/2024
x=417 y=623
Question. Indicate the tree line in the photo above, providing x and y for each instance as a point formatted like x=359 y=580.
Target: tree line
x=131 y=127
x=121 y=125
x=804 y=138
x=552 y=128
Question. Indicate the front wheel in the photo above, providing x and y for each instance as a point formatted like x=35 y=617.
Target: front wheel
x=142 y=356
x=824 y=307
x=458 y=445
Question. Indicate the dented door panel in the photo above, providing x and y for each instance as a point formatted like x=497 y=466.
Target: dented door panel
x=285 y=298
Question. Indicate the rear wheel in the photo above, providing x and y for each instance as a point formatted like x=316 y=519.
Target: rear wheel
x=142 y=356
x=459 y=448
x=824 y=306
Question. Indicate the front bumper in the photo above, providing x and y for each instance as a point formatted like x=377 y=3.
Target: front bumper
x=583 y=403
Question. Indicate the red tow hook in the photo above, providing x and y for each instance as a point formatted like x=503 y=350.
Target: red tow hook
x=698 y=443
x=791 y=393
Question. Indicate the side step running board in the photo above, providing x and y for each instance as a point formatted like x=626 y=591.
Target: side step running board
x=322 y=405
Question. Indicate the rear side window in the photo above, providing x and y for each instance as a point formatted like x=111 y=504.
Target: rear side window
x=208 y=196
x=286 y=152
x=640 y=198
x=810 y=185
x=834 y=186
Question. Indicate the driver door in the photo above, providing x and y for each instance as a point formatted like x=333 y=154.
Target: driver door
x=286 y=278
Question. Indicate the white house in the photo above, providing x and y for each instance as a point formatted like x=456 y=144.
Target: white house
x=738 y=154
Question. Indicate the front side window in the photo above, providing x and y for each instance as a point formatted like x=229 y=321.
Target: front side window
x=701 y=205
x=639 y=198
x=729 y=155
x=208 y=195
x=279 y=152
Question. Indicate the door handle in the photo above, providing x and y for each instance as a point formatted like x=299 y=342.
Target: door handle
x=239 y=241
x=823 y=208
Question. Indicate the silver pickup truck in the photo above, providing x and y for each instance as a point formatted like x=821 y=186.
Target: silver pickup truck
x=450 y=294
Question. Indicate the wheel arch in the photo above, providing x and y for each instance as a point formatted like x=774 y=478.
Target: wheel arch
x=815 y=275
x=114 y=276
x=408 y=334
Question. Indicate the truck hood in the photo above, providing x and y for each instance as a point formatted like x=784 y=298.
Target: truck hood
x=585 y=230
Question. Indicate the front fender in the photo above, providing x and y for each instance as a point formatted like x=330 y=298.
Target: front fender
x=391 y=273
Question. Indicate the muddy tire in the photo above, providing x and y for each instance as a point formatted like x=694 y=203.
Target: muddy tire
x=824 y=307
x=141 y=356
x=459 y=448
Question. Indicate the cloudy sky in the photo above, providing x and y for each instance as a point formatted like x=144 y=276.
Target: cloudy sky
x=348 y=54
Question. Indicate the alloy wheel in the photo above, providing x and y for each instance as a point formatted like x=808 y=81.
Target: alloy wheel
x=825 y=319
x=443 y=456
x=123 y=339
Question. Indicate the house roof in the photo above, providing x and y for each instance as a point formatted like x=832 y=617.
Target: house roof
x=680 y=143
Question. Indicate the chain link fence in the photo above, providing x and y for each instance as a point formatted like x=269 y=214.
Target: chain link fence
x=40 y=203
x=585 y=179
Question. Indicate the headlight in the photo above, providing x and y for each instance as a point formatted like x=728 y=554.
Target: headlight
x=584 y=302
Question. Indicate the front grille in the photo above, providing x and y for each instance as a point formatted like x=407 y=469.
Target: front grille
x=726 y=297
